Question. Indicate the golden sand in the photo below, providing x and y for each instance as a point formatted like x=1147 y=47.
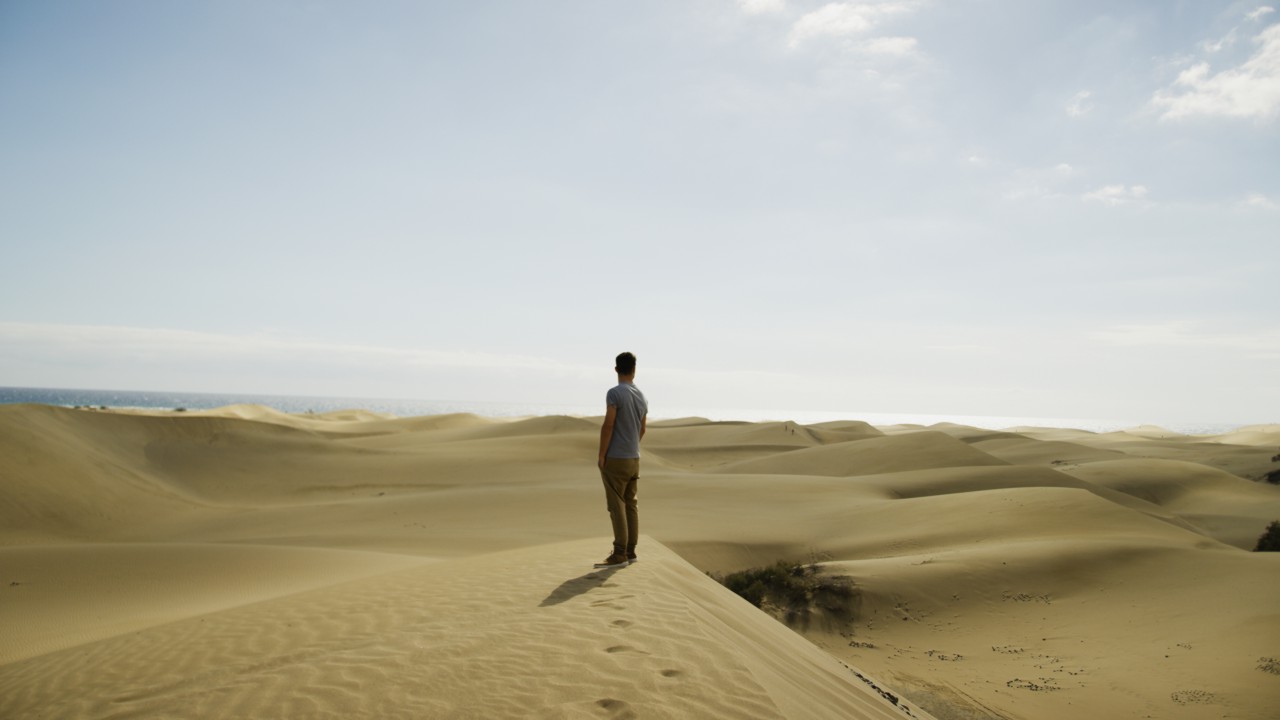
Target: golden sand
x=247 y=563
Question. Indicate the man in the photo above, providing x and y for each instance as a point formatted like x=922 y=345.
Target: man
x=626 y=413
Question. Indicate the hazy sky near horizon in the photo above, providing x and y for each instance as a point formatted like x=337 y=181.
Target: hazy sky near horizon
x=983 y=207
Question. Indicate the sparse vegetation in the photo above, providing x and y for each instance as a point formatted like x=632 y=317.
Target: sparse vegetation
x=1270 y=540
x=794 y=592
x=1272 y=477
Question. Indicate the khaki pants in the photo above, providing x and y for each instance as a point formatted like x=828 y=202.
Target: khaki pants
x=620 y=476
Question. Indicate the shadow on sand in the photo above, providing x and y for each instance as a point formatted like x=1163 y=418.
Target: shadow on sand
x=570 y=589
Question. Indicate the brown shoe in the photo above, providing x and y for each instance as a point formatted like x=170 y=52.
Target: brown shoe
x=615 y=560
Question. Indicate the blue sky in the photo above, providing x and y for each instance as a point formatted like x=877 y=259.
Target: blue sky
x=1061 y=209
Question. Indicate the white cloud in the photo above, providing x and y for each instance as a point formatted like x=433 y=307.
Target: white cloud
x=1064 y=169
x=1258 y=201
x=836 y=19
x=1113 y=195
x=845 y=20
x=1258 y=14
x=1233 y=35
x=1216 y=46
x=897 y=46
x=762 y=7
x=1079 y=104
x=1251 y=90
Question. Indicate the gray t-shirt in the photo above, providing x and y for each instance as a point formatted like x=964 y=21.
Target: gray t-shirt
x=632 y=407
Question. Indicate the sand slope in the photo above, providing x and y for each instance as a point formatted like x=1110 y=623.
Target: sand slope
x=247 y=563
x=68 y=595
x=526 y=633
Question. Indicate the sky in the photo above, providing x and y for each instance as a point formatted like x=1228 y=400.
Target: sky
x=983 y=207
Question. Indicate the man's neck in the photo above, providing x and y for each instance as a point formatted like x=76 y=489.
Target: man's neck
x=628 y=379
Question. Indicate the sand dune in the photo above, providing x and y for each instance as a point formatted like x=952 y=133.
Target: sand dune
x=1253 y=435
x=1220 y=504
x=1026 y=450
x=915 y=451
x=526 y=633
x=248 y=563
x=1233 y=452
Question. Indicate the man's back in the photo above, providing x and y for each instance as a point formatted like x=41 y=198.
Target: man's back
x=632 y=409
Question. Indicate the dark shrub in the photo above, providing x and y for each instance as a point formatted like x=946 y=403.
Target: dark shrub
x=794 y=591
x=758 y=584
x=1270 y=540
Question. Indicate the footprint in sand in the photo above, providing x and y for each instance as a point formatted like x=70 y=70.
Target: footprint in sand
x=669 y=673
x=1188 y=697
x=622 y=623
x=624 y=649
x=619 y=709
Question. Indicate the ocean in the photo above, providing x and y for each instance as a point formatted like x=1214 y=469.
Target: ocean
x=155 y=400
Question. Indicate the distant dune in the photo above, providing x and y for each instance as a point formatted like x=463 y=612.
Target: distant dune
x=244 y=562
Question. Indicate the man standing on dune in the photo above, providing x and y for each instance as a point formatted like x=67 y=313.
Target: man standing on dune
x=626 y=412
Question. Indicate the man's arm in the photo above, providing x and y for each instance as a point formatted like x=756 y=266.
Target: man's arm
x=644 y=420
x=606 y=432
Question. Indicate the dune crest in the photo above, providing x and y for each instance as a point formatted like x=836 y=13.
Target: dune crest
x=894 y=453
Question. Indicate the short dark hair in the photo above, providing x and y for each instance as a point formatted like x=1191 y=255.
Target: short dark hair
x=625 y=363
